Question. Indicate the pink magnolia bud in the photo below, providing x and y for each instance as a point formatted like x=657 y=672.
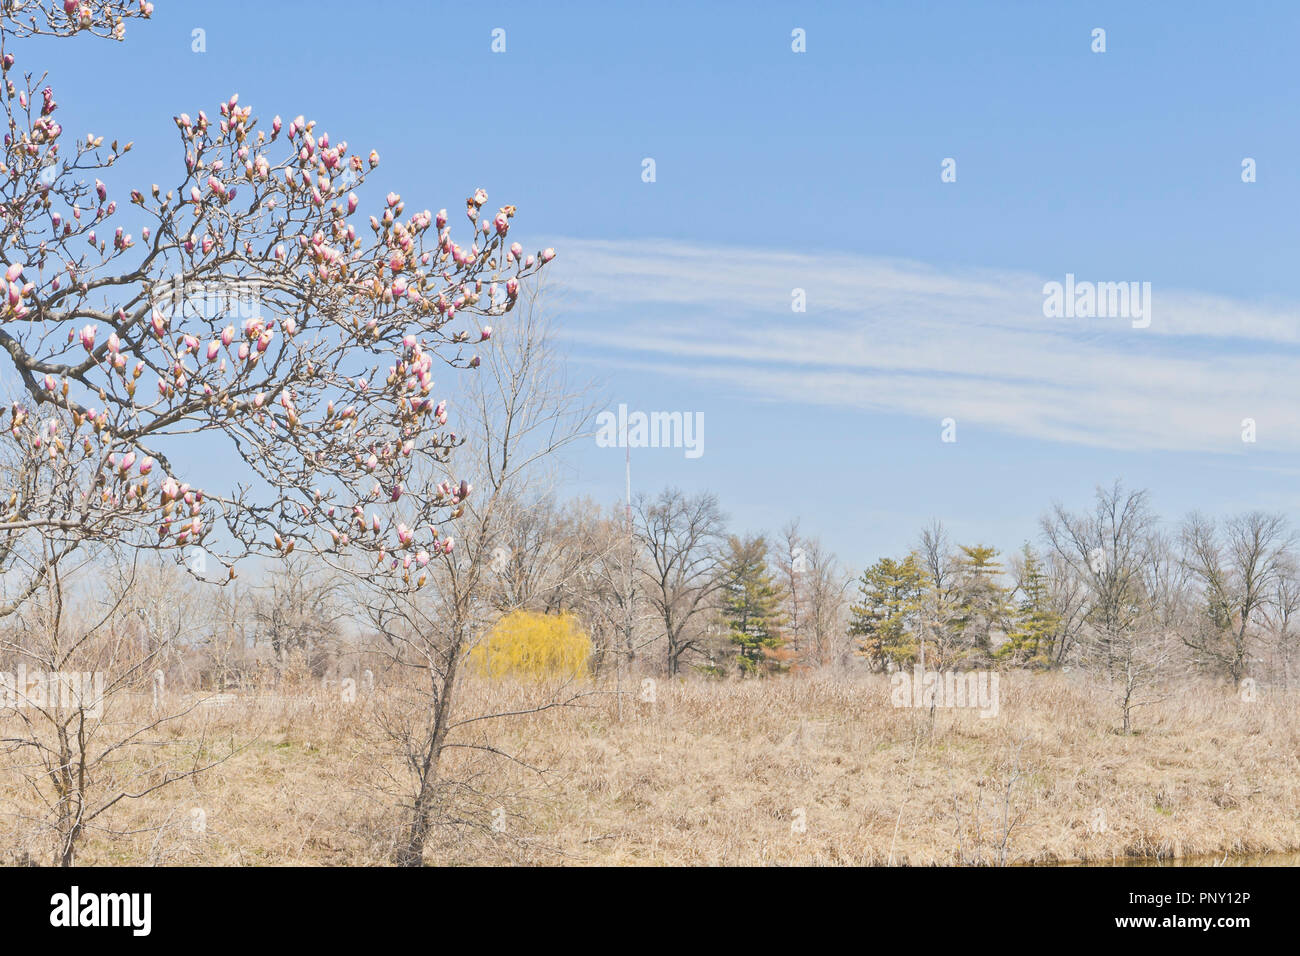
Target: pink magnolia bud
x=88 y=337
x=159 y=323
x=275 y=125
x=374 y=159
x=486 y=333
x=548 y=255
x=352 y=203
x=228 y=335
x=214 y=349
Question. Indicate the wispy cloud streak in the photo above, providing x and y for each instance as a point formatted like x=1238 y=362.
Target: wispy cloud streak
x=900 y=337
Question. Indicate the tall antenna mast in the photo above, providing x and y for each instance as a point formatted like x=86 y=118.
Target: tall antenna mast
x=627 y=598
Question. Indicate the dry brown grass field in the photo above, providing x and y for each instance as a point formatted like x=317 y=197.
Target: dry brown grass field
x=792 y=771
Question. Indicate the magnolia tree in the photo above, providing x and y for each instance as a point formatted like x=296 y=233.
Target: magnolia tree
x=256 y=300
x=520 y=412
x=254 y=306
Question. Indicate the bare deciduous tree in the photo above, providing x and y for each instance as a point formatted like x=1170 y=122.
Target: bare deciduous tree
x=682 y=536
x=518 y=413
x=85 y=733
x=1238 y=566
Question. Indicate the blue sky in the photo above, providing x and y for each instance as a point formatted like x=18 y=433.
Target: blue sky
x=820 y=170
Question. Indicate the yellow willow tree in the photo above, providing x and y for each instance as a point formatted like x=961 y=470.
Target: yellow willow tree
x=255 y=307
x=533 y=646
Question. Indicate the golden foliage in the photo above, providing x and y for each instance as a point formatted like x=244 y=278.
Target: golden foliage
x=531 y=645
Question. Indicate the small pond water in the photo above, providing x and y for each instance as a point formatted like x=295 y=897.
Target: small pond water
x=1251 y=859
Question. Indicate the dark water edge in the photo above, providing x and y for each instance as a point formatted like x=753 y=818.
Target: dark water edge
x=1242 y=859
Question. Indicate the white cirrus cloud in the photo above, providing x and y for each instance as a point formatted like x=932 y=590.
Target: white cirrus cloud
x=902 y=337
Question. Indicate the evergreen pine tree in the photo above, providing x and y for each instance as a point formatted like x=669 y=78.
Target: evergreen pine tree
x=751 y=606
x=1033 y=632
x=983 y=604
x=885 y=620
